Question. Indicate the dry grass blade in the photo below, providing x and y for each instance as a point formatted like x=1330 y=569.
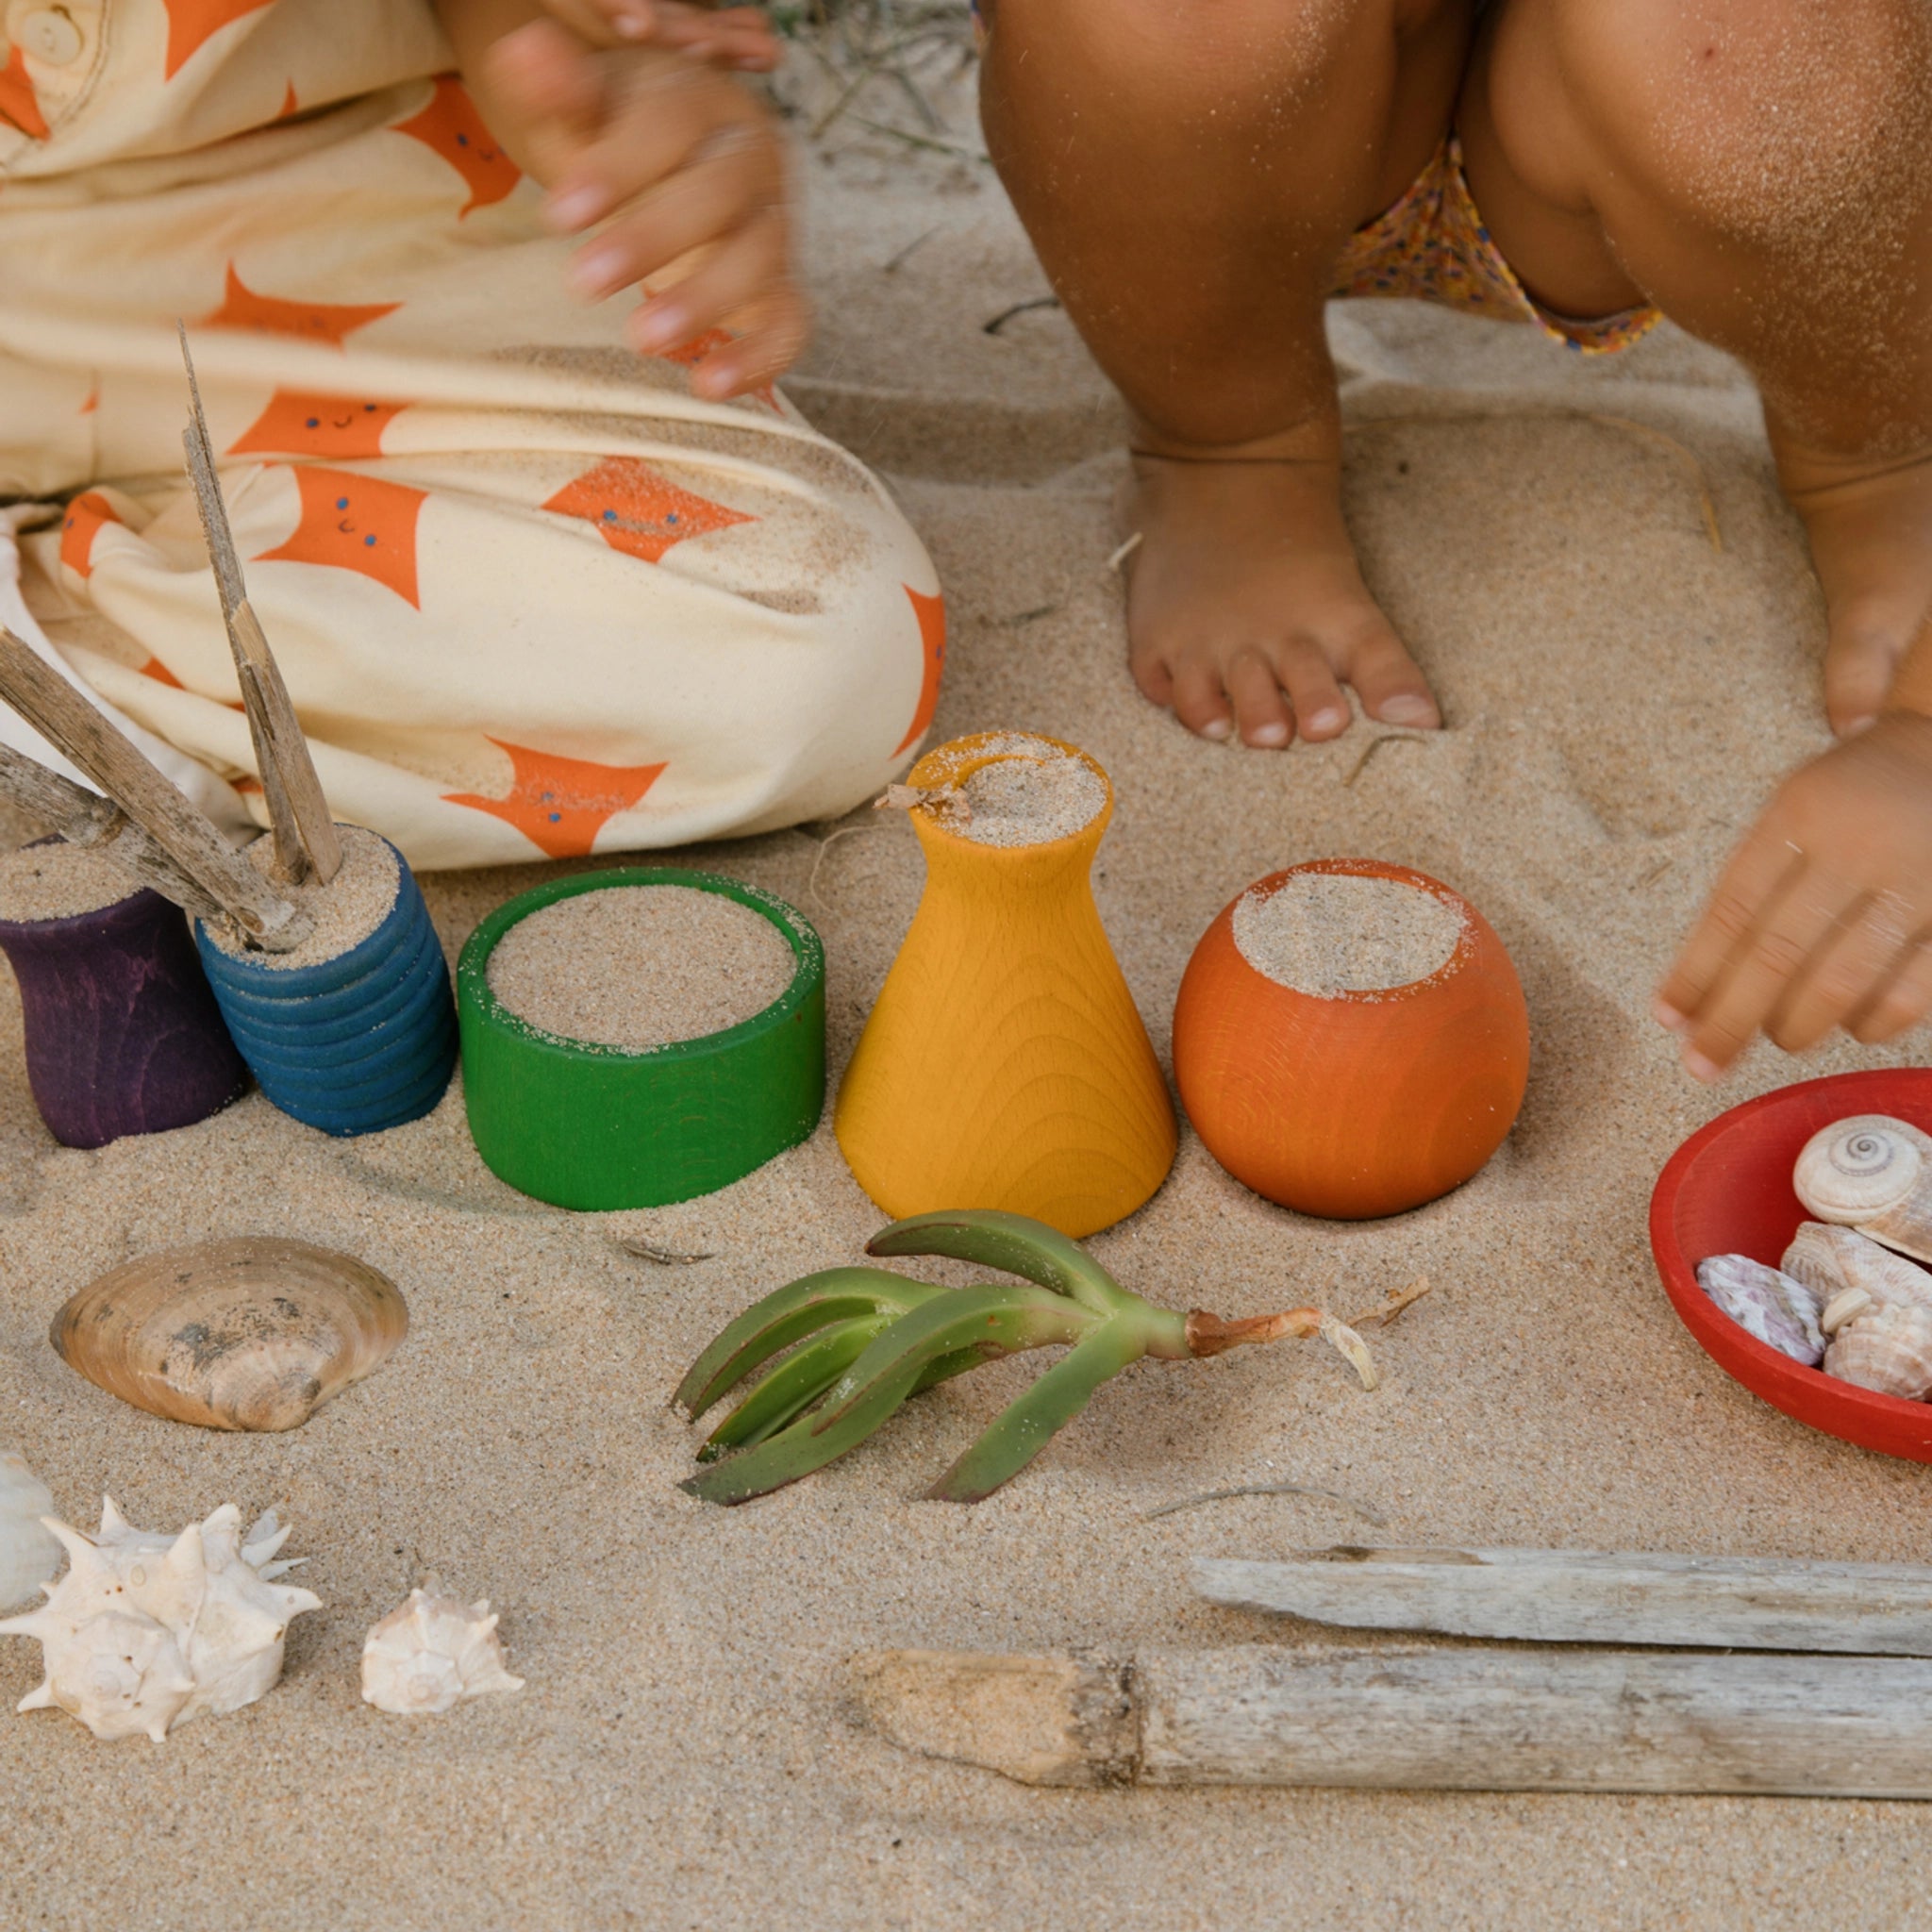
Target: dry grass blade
x=1392 y=1304
x=1227 y=1495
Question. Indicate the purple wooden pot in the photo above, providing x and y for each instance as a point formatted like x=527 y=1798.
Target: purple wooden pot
x=122 y=1035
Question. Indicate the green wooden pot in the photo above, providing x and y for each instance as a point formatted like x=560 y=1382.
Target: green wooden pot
x=590 y=1126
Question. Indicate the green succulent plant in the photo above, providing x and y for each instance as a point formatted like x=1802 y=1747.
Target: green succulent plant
x=861 y=1340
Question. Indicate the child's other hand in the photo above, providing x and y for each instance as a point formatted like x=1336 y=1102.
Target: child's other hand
x=671 y=156
x=735 y=36
x=1823 y=916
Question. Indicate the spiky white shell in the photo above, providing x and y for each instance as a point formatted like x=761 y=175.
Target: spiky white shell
x=1777 y=1310
x=28 y=1554
x=146 y=1632
x=1830 y=1259
x=1887 y=1349
x=431 y=1652
x=1872 y=1172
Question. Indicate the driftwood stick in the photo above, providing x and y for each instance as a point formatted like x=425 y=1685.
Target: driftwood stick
x=68 y=721
x=85 y=819
x=1434 y=1720
x=299 y=818
x=1586 y=1596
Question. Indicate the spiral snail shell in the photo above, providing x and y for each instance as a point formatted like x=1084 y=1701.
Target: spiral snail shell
x=1887 y=1349
x=1872 y=1172
x=1828 y=1260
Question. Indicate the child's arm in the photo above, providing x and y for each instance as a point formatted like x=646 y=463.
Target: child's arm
x=661 y=151
x=1823 y=916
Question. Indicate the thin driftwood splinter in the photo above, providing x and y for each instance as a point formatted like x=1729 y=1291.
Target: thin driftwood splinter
x=1590 y=1596
x=1385 y=1718
x=85 y=819
x=300 y=821
x=68 y=721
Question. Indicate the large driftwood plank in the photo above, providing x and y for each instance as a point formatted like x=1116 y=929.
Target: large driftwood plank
x=1538 y=1721
x=1588 y=1596
x=1408 y=1719
x=69 y=722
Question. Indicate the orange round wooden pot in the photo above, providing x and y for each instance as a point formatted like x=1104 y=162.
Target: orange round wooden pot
x=1360 y=1103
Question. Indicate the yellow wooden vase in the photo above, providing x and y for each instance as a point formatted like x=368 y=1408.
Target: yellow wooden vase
x=1004 y=1065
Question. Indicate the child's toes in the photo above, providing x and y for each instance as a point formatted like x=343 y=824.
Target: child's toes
x=1860 y=663
x=1320 y=709
x=1391 y=686
x=1261 y=714
x=1199 y=701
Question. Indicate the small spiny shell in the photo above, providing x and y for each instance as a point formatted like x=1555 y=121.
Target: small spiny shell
x=428 y=1655
x=1830 y=1259
x=146 y=1632
x=1874 y=1173
x=254 y=1333
x=1888 y=1349
x=1765 y=1302
x=28 y=1554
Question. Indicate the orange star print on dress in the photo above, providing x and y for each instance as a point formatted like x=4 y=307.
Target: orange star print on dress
x=531 y=598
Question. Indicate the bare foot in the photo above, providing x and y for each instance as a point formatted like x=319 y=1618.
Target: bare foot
x=1245 y=609
x=1872 y=542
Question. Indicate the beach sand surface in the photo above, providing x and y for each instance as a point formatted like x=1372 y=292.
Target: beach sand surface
x=1592 y=561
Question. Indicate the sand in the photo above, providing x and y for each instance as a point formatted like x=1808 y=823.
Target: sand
x=1334 y=933
x=59 y=881
x=1034 y=795
x=345 y=911
x=1620 y=694
x=640 y=965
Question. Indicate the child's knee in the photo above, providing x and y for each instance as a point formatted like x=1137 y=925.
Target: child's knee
x=1779 y=118
x=1204 y=53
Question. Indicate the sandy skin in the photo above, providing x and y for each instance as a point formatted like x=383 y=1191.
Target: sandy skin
x=1618 y=161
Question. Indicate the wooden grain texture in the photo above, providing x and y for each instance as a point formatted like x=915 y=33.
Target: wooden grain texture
x=1588 y=1596
x=300 y=821
x=1431 y=1720
x=85 y=819
x=120 y=1031
x=1364 y=1104
x=71 y=724
x=1037 y=1719
x=1005 y=1064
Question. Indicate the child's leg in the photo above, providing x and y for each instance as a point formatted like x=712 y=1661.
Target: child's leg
x=1762 y=170
x=1189 y=174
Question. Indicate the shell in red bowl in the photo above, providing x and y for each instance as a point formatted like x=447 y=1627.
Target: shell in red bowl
x=1727 y=1190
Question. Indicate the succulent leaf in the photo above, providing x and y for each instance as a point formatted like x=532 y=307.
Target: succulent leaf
x=1013 y=1243
x=788 y=1315
x=791 y=1387
x=1028 y=1424
x=1005 y=1319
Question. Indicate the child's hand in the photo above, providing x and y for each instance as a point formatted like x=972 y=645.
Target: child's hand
x=1823 y=916
x=736 y=37
x=670 y=156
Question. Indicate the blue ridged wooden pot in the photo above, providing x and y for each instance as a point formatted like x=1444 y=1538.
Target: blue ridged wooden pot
x=356 y=1044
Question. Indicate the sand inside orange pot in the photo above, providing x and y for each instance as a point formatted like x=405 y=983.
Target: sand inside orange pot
x=1333 y=933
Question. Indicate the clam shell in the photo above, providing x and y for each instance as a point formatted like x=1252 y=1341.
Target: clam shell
x=254 y=1333
x=1872 y=1172
x=1765 y=1302
x=1887 y=1349
x=1830 y=1259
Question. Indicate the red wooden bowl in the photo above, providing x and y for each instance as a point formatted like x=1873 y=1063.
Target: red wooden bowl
x=1727 y=1190
x=1362 y=1103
